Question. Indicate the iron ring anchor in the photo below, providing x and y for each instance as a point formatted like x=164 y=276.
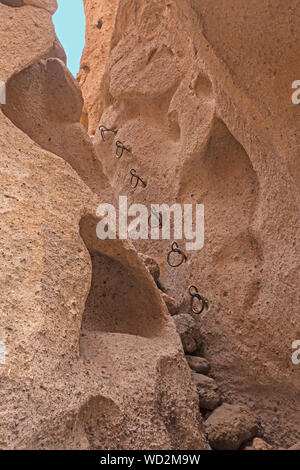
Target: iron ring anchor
x=121 y=146
x=195 y=296
x=135 y=177
x=104 y=129
x=158 y=217
x=176 y=249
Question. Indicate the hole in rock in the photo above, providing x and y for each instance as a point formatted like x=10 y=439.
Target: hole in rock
x=69 y=22
x=13 y=3
x=203 y=87
x=121 y=298
x=100 y=420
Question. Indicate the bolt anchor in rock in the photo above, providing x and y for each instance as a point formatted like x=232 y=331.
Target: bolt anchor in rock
x=135 y=179
x=104 y=129
x=175 y=249
x=120 y=147
x=198 y=303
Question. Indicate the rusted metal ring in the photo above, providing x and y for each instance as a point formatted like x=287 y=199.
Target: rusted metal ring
x=176 y=249
x=135 y=177
x=194 y=308
x=120 y=145
x=104 y=129
x=195 y=296
x=158 y=217
x=193 y=291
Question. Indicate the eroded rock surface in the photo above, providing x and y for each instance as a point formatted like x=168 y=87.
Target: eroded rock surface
x=89 y=355
x=100 y=17
x=202 y=95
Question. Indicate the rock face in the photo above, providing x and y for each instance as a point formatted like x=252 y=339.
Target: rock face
x=202 y=95
x=89 y=355
x=229 y=426
x=100 y=17
x=151 y=265
x=171 y=304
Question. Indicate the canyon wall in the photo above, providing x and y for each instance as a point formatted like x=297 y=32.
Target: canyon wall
x=200 y=92
x=89 y=355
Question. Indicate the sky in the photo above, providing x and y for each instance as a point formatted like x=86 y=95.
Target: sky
x=69 y=22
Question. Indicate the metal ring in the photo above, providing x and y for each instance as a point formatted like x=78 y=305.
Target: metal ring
x=135 y=176
x=121 y=146
x=193 y=288
x=193 y=291
x=104 y=129
x=158 y=217
x=194 y=309
x=175 y=249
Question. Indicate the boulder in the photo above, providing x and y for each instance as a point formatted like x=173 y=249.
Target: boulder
x=229 y=426
x=207 y=388
x=198 y=364
x=258 y=444
x=186 y=328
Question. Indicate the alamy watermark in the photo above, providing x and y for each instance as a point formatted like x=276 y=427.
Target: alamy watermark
x=296 y=94
x=2 y=92
x=296 y=353
x=2 y=352
x=162 y=221
x=296 y=344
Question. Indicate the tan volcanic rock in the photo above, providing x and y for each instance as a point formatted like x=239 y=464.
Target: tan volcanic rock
x=27 y=45
x=202 y=95
x=50 y=5
x=89 y=356
x=52 y=119
x=100 y=17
